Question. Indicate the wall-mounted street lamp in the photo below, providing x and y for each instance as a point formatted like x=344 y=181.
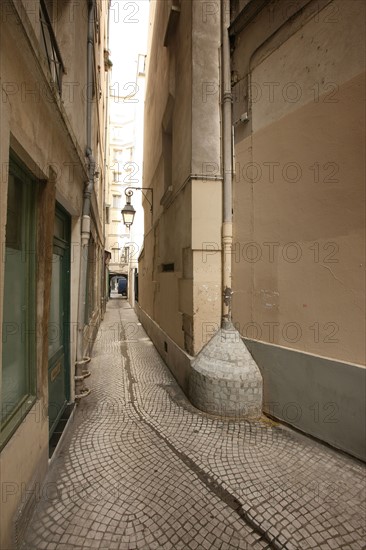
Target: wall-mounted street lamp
x=128 y=212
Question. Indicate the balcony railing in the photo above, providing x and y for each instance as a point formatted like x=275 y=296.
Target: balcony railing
x=55 y=63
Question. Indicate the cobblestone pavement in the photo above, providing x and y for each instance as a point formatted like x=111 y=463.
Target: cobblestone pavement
x=140 y=468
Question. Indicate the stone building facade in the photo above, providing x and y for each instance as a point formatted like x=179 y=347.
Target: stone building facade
x=125 y=130
x=297 y=258
x=180 y=284
x=53 y=67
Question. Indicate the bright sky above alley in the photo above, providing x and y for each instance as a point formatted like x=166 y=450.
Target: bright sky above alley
x=129 y=21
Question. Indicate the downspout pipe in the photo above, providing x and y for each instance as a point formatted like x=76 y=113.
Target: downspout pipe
x=89 y=103
x=80 y=373
x=227 y=226
x=104 y=269
x=225 y=363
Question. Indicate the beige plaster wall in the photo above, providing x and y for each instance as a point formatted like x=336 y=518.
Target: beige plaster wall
x=188 y=215
x=21 y=478
x=206 y=268
x=205 y=67
x=167 y=231
x=49 y=136
x=298 y=259
x=163 y=295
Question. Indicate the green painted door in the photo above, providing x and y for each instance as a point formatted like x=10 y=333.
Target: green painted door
x=59 y=321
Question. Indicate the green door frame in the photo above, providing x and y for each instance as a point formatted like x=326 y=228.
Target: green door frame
x=61 y=358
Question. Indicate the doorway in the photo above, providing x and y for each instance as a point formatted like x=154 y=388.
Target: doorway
x=59 y=321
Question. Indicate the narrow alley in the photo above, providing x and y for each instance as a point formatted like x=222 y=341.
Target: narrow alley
x=182 y=285
x=140 y=468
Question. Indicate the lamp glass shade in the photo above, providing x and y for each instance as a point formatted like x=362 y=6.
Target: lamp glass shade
x=128 y=214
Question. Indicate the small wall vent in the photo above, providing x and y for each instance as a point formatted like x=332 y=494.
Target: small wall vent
x=167 y=268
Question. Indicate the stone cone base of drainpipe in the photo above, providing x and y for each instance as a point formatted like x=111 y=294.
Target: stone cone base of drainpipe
x=225 y=380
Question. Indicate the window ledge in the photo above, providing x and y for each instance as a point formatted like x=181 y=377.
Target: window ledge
x=16 y=418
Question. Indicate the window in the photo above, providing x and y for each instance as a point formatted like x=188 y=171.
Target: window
x=49 y=43
x=118 y=153
x=115 y=227
x=172 y=22
x=90 y=283
x=18 y=388
x=141 y=65
x=107 y=213
x=115 y=254
x=117 y=201
x=117 y=177
x=125 y=255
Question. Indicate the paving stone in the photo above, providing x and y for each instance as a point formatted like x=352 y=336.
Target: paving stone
x=141 y=468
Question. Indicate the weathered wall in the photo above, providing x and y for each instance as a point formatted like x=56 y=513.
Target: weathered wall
x=206 y=162
x=187 y=213
x=298 y=257
x=33 y=130
x=319 y=396
x=21 y=480
x=168 y=107
x=299 y=193
x=164 y=294
x=48 y=135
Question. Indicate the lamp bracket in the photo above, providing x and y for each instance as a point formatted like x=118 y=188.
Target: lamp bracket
x=129 y=193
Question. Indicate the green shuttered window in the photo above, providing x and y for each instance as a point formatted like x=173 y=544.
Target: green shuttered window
x=18 y=375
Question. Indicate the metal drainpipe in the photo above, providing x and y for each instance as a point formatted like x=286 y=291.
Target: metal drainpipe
x=80 y=373
x=104 y=278
x=227 y=226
